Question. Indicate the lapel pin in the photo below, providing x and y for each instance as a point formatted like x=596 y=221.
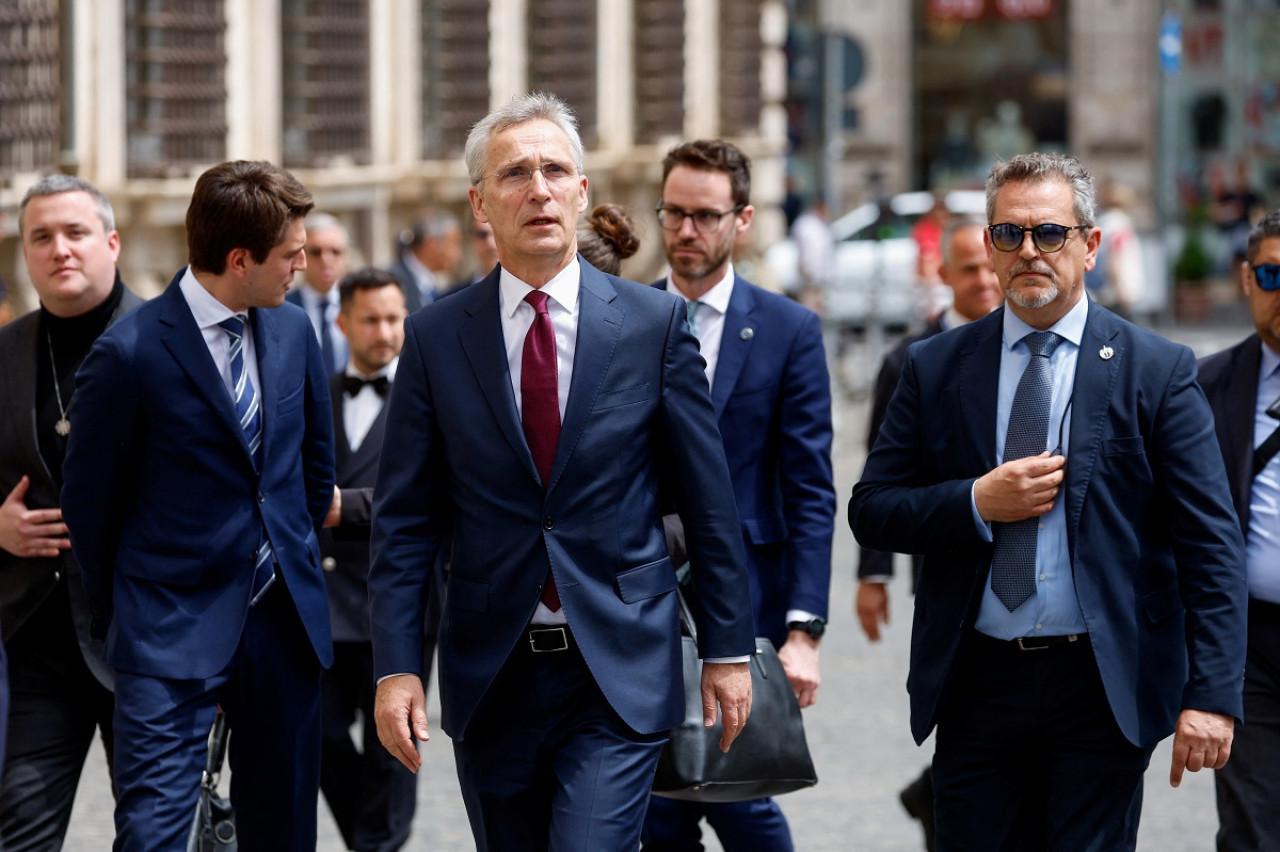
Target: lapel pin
x=1105 y=353
x=747 y=333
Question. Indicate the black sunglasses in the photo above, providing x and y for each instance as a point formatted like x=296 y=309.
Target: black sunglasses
x=1267 y=276
x=1048 y=238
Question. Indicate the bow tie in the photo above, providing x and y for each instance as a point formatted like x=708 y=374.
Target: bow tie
x=352 y=384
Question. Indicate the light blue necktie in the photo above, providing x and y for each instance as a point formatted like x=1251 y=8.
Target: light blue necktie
x=249 y=411
x=1013 y=559
x=691 y=311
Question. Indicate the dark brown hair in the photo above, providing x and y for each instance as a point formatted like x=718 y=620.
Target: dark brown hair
x=714 y=155
x=607 y=237
x=369 y=278
x=242 y=204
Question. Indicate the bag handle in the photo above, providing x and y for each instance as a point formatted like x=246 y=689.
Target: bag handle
x=217 y=749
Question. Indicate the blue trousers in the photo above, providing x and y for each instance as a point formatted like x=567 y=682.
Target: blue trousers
x=756 y=825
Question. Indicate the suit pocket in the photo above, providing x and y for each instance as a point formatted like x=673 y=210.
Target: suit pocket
x=468 y=594
x=1123 y=446
x=626 y=396
x=646 y=581
x=292 y=400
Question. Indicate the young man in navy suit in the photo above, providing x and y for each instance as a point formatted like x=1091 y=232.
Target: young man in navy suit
x=541 y=412
x=199 y=468
x=768 y=377
x=1082 y=592
x=1243 y=386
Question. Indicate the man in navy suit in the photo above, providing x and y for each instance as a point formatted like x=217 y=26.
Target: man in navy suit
x=61 y=685
x=430 y=251
x=328 y=250
x=371 y=795
x=768 y=375
x=1084 y=598
x=1243 y=387
x=541 y=411
x=199 y=468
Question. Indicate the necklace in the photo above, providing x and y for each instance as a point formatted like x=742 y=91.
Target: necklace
x=63 y=426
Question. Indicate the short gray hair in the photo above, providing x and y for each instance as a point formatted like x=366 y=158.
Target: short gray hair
x=1039 y=168
x=955 y=226
x=521 y=108
x=323 y=222
x=1266 y=228
x=57 y=184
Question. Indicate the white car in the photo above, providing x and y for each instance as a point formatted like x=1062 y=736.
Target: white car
x=875 y=260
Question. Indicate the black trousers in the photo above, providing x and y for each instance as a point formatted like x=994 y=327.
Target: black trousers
x=372 y=796
x=57 y=706
x=1029 y=756
x=1248 y=817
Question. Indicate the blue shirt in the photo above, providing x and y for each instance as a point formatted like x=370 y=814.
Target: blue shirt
x=1054 y=609
x=1262 y=544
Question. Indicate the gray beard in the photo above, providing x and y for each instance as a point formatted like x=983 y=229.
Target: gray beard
x=1023 y=300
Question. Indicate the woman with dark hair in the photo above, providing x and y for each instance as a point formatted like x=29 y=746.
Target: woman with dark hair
x=607 y=237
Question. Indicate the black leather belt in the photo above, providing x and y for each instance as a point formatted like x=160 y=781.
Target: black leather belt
x=550 y=639
x=1038 y=643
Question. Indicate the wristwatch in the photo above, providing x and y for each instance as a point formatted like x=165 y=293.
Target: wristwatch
x=815 y=627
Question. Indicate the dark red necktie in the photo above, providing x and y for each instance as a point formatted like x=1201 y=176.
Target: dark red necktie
x=540 y=405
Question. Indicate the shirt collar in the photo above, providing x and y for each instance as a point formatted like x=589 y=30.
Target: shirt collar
x=1070 y=327
x=312 y=297
x=1269 y=363
x=561 y=289
x=206 y=309
x=717 y=297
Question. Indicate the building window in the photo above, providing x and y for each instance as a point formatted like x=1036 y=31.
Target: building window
x=30 y=94
x=659 y=75
x=325 y=81
x=741 y=49
x=562 y=57
x=455 y=73
x=175 y=65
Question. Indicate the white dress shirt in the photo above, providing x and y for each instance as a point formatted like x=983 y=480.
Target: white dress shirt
x=208 y=312
x=359 y=411
x=709 y=318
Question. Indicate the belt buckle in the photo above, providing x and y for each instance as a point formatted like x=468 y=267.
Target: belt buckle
x=548 y=632
x=1022 y=646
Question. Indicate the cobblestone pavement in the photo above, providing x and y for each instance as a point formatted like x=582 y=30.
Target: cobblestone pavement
x=857 y=731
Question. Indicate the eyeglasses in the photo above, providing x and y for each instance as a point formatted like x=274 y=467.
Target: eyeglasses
x=1267 y=276
x=705 y=221
x=1048 y=238
x=518 y=177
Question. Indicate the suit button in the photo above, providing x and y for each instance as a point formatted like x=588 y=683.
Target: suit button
x=262 y=498
x=329 y=563
x=548 y=523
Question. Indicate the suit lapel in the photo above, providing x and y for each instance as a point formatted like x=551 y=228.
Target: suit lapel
x=1090 y=400
x=599 y=326
x=480 y=336
x=22 y=350
x=185 y=342
x=1240 y=397
x=734 y=346
x=979 y=385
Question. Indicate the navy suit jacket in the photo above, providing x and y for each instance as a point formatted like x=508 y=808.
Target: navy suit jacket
x=161 y=496
x=638 y=414
x=1155 y=547
x=1230 y=381
x=772 y=397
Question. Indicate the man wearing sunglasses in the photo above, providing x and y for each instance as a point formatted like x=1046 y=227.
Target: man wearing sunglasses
x=1082 y=594
x=1243 y=386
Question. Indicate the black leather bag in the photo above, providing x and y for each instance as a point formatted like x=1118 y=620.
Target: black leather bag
x=213 y=827
x=769 y=757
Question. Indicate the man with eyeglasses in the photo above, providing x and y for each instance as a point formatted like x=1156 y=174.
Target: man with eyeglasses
x=1243 y=386
x=1082 y=593
x=544 y=411
x=768 y=376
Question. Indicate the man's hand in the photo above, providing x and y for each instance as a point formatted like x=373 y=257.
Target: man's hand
x=799 y=656
x=400 y=709
x=725 y=684
x=335 y=509
x=1020 y=489
x=30 y=532
x=1201 y=739
x=871 y=605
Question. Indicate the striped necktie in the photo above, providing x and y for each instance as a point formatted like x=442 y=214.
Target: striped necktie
x=249 y=411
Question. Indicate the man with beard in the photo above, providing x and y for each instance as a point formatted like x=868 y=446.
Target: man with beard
x=768 y=376
x=1082 y=594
